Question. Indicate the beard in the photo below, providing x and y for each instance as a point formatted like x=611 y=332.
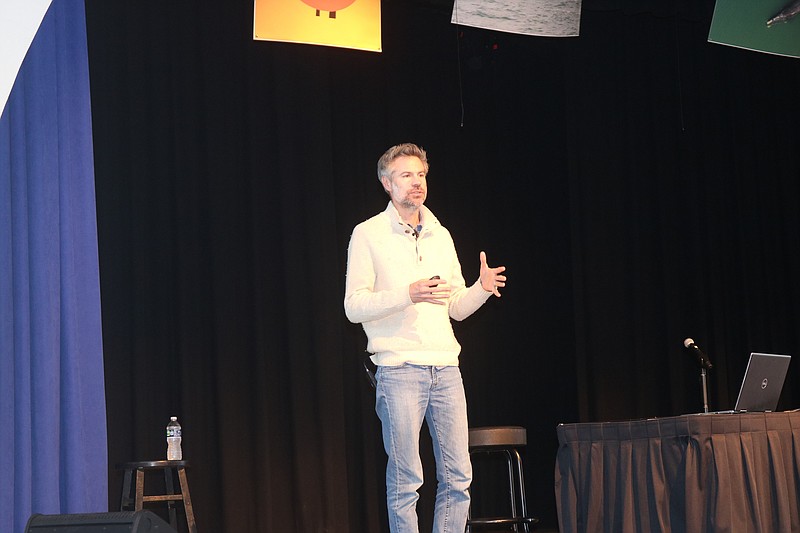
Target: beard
x=410 y=202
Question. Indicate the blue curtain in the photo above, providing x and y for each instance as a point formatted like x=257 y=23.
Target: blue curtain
x=53 y=456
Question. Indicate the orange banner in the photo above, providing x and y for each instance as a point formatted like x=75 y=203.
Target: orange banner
x=343 y=23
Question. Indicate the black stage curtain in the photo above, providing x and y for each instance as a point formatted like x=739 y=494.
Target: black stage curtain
x=639 y=183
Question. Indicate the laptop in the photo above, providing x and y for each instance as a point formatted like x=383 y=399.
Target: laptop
x=762 y=383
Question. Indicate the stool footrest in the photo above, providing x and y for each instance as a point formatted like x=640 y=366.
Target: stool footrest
x=502 y=521
x=163 y=498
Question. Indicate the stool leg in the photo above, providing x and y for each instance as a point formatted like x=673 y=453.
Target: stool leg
x=139 y=498
x=521 y=479
x=187 y=501
x=170 y=486
x=125 y=500
x=511 y=487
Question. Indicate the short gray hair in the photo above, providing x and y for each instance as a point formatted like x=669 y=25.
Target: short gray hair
x=400 y=150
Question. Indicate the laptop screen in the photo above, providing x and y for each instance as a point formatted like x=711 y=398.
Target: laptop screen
x=763 y=382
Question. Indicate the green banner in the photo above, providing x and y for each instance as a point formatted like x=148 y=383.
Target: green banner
x=771 y=26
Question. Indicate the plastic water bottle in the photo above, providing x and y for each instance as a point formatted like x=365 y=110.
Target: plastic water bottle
x=174 y=452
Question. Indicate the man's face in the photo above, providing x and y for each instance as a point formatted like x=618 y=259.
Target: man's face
x=407 y=186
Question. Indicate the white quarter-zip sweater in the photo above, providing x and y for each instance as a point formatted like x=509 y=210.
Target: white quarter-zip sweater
x=384 y=257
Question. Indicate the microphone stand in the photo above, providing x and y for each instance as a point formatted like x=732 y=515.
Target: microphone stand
x=705 y=388
x=705 y=365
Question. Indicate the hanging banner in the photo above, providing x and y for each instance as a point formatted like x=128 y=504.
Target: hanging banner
x=770 y=26
x=544 y=18
x=19 y=21
x=343 y=23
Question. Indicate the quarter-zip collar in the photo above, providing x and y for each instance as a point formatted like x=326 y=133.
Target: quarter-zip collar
x=426 y=217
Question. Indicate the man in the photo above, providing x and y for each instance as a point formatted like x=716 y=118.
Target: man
x=404 y=283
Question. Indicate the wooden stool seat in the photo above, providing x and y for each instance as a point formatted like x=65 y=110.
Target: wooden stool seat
x=133 y=493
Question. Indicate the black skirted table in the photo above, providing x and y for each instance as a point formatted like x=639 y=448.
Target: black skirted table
x=691 y=473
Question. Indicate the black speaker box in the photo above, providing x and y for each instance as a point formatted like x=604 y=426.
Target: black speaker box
x=121 y=522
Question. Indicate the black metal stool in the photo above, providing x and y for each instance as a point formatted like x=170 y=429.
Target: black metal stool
x=134 y=498
x=505 y=440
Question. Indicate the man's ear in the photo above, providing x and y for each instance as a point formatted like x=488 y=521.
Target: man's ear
x=386 y=182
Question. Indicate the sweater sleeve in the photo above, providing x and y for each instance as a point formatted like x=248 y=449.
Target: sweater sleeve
x=362 y=303
x=468 y=300
x=464 y=300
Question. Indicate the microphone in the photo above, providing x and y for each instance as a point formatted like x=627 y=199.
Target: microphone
x=702 y=358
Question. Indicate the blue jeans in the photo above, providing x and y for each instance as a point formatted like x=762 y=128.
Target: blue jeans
x=405 y=395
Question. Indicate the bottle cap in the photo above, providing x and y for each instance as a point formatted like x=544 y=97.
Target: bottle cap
x=173 y=418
